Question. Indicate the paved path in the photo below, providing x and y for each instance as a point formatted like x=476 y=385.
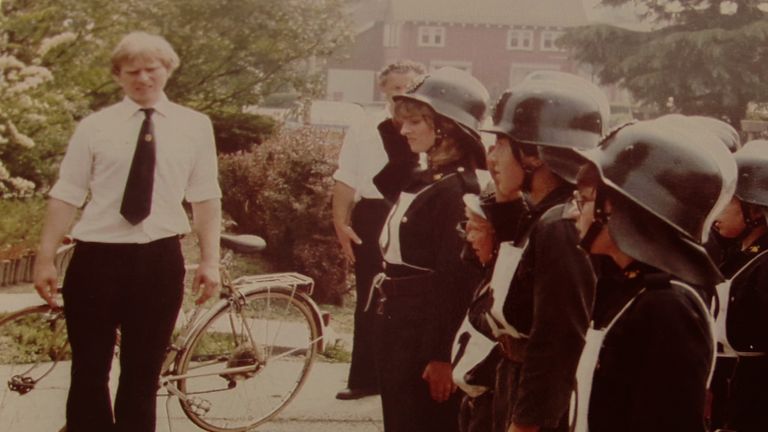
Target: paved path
x=314 y=409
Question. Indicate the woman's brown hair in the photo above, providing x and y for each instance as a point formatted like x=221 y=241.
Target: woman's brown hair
x=449 y=147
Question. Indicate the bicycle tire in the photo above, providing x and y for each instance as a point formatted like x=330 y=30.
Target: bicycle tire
x=32 y=342
x=279 y=347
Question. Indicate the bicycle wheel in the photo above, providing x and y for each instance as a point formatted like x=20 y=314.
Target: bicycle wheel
x=32 y=341
x=247 y=362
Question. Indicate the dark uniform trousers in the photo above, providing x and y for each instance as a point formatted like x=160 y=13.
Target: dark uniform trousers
x=368 y=218
x=406 y=401
x=137 y=288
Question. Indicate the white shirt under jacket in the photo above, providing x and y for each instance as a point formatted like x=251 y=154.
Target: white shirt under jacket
x=99 y=157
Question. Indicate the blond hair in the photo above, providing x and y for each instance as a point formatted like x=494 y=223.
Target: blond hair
x=402 y=67
x=144 y=45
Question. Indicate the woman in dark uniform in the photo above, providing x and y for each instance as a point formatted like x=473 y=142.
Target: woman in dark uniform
x=426 y=286
x=646 y=199
x=743 y=335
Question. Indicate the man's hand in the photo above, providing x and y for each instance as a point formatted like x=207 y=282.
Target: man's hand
x=45 y=278
x=59 y=216
x=342 y=203
x=346 y=236
x=438 y=375
x=207 y=277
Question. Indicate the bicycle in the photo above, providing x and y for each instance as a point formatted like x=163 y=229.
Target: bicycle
x=233 y=364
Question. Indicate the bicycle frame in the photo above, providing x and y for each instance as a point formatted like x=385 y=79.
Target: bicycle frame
x=232 y=297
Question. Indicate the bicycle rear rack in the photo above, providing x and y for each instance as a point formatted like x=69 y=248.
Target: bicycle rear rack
x=293 y=280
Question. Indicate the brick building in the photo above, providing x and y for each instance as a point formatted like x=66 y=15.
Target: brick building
x=498 y=41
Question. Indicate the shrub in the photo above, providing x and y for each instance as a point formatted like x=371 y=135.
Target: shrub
x=281 y=190
x=240 y=131
x=20 y=225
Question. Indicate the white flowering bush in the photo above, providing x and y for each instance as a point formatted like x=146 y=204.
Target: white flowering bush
x=34 y=115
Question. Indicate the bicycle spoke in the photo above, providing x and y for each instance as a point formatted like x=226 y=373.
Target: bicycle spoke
x=263 y=350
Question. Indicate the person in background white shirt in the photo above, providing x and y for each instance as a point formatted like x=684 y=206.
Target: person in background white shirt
x=359 y=210
x=129 y=274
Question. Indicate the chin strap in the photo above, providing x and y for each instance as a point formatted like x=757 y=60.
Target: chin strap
x=528 y=170
x=600 y=220
x=750 y=222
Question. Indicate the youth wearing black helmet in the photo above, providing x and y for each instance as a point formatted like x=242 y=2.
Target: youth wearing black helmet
x=646 y=198
x=740 y=388
x=426 y=286
x=541 y=309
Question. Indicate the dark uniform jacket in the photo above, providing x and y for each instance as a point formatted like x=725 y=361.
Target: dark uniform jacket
x=429 y=239
x=741 y=387
x=550 y=300
x=747 y=323
x=653 y=367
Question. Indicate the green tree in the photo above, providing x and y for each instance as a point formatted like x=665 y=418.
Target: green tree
x=704 y=56
x=54 y=66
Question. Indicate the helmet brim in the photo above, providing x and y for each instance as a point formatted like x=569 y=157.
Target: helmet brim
x=647 y=239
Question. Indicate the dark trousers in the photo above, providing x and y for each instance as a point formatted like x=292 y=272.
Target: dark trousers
x=368 y=218
x=137 y=288
x=476 y=413
x=405 y=399
x=749 y=395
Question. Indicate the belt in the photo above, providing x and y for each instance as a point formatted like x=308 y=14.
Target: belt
x=390 y=288
x=512 y=348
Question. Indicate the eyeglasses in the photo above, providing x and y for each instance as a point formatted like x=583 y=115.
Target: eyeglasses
x=579 y=201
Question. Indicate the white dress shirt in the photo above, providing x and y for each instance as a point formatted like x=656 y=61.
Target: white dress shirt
x=99 y=157
x=362 y=156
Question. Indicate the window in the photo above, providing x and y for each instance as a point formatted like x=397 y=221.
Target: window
x=431 y=36
x=548 y=39
x=463 y=65
x=520 y=40
x=391 y=35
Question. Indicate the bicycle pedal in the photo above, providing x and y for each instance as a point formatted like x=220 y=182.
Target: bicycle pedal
x=21 y=385
x=199 y=406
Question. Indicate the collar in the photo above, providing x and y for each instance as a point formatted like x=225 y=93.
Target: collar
x=424 y=177
x=130 y=108
x=558 y=195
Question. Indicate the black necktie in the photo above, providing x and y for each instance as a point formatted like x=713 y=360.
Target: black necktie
x=137 y=198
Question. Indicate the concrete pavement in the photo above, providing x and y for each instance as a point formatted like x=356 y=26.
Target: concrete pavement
x=314 y=408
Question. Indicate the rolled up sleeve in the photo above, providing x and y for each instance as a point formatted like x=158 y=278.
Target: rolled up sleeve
x=203 y=181
x=75 y=170
x=349 y=159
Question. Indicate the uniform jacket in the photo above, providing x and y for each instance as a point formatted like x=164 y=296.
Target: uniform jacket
x=653 y=367
x=429 y=239
x=747 y=321
x=550 y=300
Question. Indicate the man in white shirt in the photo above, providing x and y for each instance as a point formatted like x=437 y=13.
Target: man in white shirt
x=359 y=211
x=137 y=160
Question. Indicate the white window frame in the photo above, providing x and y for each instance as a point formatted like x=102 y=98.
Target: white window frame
x=550 y=36
x=463 y=65
x=434 y=35
x=392 y=35
x=522 y=37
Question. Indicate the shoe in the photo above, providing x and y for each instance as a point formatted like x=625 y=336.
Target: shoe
x=352 y=394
